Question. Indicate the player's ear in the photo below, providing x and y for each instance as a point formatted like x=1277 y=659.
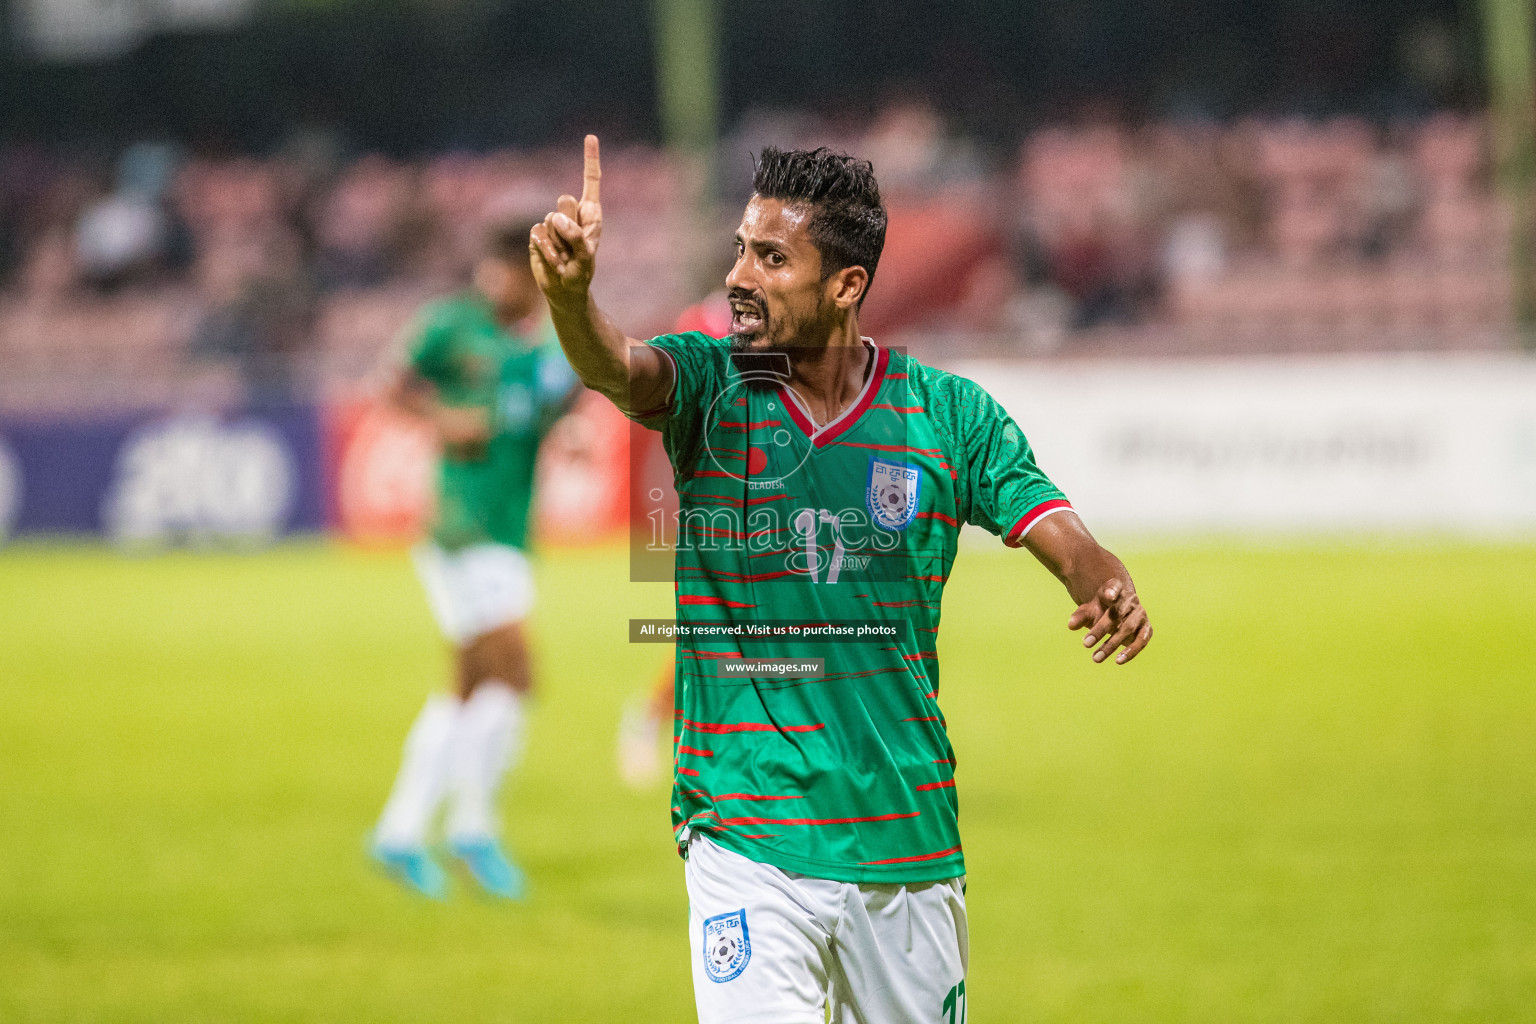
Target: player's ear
x=847 y=286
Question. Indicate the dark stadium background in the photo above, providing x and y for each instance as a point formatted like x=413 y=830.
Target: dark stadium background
x=410 y=77
x=1258 y=280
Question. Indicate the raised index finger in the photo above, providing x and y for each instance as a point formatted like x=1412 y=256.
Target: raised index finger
x=591 y=172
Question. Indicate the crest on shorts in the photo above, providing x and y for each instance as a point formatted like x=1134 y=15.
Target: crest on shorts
x=892 y=492
x=727 y=947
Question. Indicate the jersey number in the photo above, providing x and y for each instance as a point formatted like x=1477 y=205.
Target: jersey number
x=807 y=524
x=954 y=1003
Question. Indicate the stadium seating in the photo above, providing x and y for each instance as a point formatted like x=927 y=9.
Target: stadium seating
x=1255 y=236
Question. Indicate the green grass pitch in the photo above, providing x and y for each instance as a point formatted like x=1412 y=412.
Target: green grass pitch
x=1313 y=800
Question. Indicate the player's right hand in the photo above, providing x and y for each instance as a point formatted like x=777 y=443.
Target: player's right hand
x=463 y=431
x=563 y=249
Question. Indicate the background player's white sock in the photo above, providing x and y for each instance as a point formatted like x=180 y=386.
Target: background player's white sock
x=423 y=774
x=487 y=739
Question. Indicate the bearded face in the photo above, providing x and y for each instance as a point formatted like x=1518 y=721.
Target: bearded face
x=779 y=305
x=765 y=352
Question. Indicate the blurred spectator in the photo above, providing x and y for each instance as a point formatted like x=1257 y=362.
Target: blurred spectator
x=363 y=224
x=1272 y=234
x=129 y=235
x=913 y=150
x=48 y=270
x=265 y=323
x=1390 y=198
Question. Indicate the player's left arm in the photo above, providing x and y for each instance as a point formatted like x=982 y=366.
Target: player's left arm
x=1106 y=597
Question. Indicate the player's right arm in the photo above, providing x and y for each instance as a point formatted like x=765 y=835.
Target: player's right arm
x=462 y=430
x=412 y=377
x=563 y=250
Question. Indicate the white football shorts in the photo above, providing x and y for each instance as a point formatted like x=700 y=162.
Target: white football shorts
x=774 y=947
x=475 y=589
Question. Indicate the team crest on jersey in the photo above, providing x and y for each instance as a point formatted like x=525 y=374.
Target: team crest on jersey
x=727 y=947
x=892 y=492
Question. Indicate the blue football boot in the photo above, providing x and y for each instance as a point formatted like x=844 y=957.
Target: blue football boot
x=413 y=866
x=484 y=858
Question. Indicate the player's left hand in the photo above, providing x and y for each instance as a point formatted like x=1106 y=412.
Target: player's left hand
x=1115 y=617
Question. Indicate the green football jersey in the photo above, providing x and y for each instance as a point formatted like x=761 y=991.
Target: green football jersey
x=472 y=360
x=849 y=776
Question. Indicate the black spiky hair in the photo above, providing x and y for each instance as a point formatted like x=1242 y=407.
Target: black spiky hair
x=848 y=219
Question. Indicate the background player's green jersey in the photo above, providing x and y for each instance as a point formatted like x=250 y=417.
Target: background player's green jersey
x=472 y=360
x=850 y=776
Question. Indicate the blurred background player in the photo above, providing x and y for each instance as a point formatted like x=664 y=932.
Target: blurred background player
x=643 y=726
x=484 y=369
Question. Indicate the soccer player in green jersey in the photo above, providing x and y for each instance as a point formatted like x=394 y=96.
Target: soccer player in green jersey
x=484 y=369
x=822 y=479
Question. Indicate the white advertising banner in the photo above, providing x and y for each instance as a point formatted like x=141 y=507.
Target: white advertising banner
x=1281 y=445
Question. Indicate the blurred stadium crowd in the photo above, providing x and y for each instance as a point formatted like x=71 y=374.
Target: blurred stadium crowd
x=157 y=274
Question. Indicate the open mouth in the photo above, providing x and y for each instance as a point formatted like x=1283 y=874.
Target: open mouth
x=747 y=317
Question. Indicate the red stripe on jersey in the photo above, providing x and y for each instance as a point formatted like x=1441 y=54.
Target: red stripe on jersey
x=946 y=784
x=897 y=408
x=1014 y=537
x=710 y=531
x=940 y=516
x=686 y=771
x=771 y=497
x=909 y=860
x=695 y=750
x=861 y=675
x=756 y=796
x=947 y=760
x=899 y=604
x=893 y=448
x=815 y=821
x=930 y=579
x=708 y=599
x=895 y=376
x=930 y=718
x=721 y=574
x=844 y=420
x=796 y=415
x=760 y=835
x=751 y=426
x=725 y=727
x=716 y=472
